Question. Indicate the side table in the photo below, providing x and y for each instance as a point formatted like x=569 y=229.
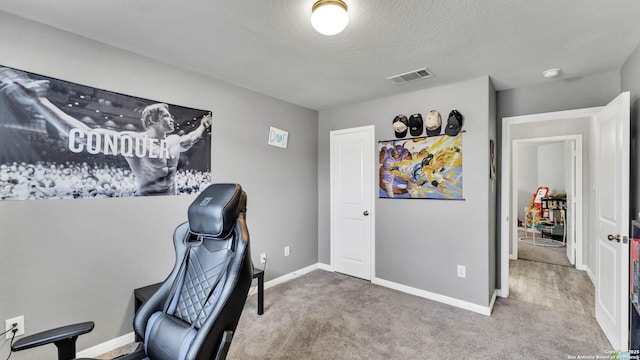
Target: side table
x=259 y=274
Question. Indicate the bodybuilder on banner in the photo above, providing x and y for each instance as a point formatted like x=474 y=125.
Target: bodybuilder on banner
x=152 y=155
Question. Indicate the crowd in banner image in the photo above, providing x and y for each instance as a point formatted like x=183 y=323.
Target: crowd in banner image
x=70 y=180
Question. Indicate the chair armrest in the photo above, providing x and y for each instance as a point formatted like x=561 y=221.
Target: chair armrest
x=52 y=336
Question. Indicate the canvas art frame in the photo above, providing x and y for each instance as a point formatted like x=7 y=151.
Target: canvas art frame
x=421 y=168
x=63 y=140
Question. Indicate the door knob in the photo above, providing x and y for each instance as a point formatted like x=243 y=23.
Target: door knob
x=616 y=238
x=366 y=213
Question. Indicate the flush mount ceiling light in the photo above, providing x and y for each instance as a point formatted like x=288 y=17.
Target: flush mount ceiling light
x=551 y=73
x=329 y=17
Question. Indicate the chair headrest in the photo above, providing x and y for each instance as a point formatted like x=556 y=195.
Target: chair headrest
x=214 y=212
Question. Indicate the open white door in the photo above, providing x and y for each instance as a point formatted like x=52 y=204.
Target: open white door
x=612 y=220
x=352 y=201
x=570 y=188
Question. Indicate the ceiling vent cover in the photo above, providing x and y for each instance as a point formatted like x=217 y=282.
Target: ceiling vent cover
x=411 y=76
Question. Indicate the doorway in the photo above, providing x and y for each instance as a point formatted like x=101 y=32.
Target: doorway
x=552 y=231
x=605 y=200
x=563 y=135
x=540 y=126
x=544 y=248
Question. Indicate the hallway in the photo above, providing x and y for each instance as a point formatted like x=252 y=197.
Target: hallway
x=562 y=288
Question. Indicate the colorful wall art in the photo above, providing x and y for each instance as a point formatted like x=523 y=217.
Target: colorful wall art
x=421 y=168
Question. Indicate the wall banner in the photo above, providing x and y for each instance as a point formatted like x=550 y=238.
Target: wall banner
x=421 y=168
x=61 y=140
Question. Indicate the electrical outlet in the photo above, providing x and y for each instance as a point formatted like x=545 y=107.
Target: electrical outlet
x=263 y=258
x=8 y=325
x=286 y=251
x=462 y=271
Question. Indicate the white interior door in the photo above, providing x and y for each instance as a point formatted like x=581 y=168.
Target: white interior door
x=352 y=201
x=612 y=220
x=570 y=189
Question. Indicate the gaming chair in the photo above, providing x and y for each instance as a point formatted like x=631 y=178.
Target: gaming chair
x=194 y=313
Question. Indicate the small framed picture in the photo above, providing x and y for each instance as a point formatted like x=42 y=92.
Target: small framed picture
x=278 y=137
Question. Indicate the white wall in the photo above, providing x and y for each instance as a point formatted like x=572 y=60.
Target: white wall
x=551 y=167
x=66 y=261
x=527 y=163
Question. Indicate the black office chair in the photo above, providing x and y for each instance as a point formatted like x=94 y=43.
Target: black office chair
x=196 y=310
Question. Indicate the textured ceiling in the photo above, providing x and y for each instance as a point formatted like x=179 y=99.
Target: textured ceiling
x=269 y=45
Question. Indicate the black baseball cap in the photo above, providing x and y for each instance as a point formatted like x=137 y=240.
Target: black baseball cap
x=415 y=124
x=454 y=124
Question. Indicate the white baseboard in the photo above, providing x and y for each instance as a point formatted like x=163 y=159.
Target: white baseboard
x=501 y=293
x=496 y=292
x=285 y=278
x=589 y=274
x=290 y=276
x=484 y=310
x=107 y=346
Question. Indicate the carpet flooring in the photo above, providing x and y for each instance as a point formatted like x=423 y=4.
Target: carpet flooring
x=324 y=315
x=330 y=316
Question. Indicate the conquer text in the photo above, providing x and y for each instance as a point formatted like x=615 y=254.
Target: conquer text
x=99 y=142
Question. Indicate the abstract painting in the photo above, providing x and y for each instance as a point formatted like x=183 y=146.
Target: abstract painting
x=421 y=168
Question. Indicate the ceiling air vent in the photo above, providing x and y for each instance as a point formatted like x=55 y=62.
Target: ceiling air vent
x=411 y=76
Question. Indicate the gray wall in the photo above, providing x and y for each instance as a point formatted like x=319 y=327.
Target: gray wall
x=569 y=94
x=630 y=81
x=77 y=260
x=420 y=242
